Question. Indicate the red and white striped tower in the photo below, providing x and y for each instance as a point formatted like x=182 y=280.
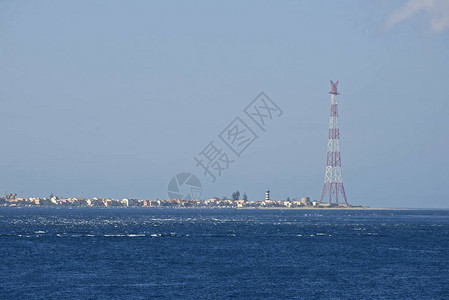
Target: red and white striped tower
x=333 y=182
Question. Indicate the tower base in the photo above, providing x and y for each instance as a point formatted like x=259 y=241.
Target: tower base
x=333 y=189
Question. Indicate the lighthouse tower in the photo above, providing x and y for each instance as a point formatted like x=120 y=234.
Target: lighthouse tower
x=333 y=182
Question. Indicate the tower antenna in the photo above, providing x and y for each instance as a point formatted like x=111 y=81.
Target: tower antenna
x=333 y=181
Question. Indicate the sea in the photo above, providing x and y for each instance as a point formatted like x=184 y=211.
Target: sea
x=150 y=253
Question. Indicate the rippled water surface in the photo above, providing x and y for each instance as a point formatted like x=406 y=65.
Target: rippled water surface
x=49 y=253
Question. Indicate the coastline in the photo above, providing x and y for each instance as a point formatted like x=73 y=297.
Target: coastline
x=227 y=208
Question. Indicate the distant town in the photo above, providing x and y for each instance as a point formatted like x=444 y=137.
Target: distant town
x=215 y=202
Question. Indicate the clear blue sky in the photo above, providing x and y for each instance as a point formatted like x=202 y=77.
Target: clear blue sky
x=113 y=98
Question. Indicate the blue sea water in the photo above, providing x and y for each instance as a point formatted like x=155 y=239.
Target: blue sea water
x=89 y=253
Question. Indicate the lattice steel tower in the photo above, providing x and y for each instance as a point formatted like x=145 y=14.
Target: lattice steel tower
x=333 y=182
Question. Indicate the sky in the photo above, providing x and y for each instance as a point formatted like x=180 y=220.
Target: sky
x=115 y=98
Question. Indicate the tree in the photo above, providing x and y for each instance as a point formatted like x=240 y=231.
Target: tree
x=245 y=197
x=235 y=195
x=288 y=199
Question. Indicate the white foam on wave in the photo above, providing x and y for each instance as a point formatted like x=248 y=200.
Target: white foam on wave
x=114 y=235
